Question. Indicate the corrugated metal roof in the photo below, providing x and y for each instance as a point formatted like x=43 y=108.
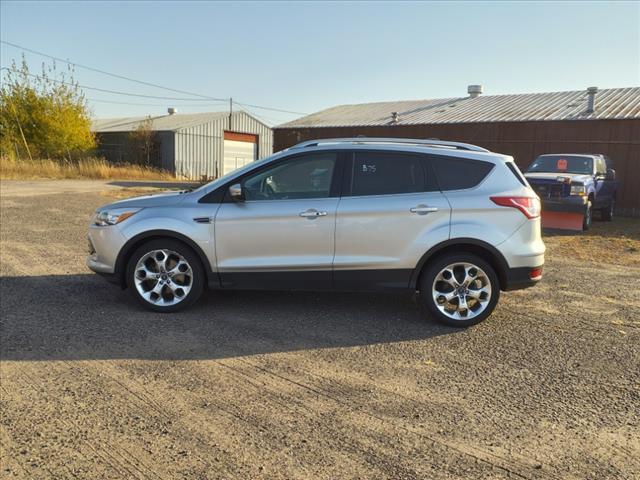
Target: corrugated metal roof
x=611 y=103
x=174 y=122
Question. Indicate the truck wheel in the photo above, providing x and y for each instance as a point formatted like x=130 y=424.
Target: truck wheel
x=607 y=212
x=588 y=216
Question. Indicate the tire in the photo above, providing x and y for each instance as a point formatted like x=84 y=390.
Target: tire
x=165 y=275
x=588 y=216
x=607 y=212
x=434 y=285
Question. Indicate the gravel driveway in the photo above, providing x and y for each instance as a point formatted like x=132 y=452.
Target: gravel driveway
x=250 y=385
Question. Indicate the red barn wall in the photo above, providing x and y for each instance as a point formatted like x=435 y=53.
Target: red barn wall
x=619 y=139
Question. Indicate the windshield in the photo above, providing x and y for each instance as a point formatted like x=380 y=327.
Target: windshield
x=562 y=164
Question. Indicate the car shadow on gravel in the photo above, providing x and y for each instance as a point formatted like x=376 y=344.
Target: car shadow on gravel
x=83 y=317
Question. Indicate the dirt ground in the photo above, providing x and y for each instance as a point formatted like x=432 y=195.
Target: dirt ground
x=304 y=385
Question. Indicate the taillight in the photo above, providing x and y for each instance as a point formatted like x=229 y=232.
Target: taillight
x=530 y=206
x=535 y=273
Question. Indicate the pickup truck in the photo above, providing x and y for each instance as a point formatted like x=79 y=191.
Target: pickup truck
x=575 y=183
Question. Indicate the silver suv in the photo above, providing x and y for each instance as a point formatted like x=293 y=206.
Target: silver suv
x=453 y=221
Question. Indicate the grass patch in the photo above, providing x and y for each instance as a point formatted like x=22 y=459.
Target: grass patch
x=88 y=168
x=616 y=243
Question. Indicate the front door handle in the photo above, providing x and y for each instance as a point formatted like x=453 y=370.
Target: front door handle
x=313 y=213
x=423 y=209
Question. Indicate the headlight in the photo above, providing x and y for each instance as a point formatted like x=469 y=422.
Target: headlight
x=578 y=190
x=112 y=217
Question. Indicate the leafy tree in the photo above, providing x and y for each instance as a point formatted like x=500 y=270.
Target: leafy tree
x=43 y=116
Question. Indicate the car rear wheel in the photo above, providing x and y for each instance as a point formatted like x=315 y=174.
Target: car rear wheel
x=588 y=216
x=607 y=212
x=165 y=275
x=459 y=290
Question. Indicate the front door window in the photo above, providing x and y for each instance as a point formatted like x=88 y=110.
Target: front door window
x=300 y=178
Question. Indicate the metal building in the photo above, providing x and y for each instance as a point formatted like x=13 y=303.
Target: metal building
x=527 y=125
x=192 y=146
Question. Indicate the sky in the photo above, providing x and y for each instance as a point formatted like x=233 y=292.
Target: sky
x=307 y=56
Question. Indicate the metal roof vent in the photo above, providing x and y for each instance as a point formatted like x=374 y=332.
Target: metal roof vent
x=172 y=110
x=591 y=99
x=394 y=117
x=474 y=91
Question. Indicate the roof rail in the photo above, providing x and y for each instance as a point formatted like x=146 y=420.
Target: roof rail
x=403 y=141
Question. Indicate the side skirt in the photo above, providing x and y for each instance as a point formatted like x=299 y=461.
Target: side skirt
x=372 y=280
x=339 y=280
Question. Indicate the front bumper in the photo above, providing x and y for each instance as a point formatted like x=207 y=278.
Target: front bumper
x=570 y=204
x=104 y=245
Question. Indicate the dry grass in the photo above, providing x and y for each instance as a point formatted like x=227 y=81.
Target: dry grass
x=89 y=168
x=616 y=243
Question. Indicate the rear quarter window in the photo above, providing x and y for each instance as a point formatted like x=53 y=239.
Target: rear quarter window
x=517 y=173
x=459 y=173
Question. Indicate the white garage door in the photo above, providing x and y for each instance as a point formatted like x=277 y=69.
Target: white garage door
x=238 y=151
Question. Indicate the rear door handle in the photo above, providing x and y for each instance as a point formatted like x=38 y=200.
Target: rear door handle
x=313 y=213
x=423 y=209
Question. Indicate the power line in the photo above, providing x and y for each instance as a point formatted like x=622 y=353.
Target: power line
x=262 y=118
x=123 y=77
x=115 y=75
x=271 y=108
x=116 y=92
x=100 y=100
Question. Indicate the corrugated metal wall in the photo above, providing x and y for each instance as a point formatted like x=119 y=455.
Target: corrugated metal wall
x=113 y=146
x=116 y=147
x=619 y=139
x=166 y=142
x=199 y=150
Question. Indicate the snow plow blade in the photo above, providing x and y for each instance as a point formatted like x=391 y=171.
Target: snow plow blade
x=562 y=220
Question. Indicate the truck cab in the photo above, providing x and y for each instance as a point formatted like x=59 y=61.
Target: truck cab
x=576 y=184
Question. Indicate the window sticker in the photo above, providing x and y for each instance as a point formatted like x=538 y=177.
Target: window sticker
x=368 y=168
x=562 y=164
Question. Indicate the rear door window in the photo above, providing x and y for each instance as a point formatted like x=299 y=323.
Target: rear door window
x=455 y=173
x=388 y=173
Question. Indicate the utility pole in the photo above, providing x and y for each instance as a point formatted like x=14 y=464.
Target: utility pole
x=230 y=111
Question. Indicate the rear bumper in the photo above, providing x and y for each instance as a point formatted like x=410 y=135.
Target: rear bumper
x=521 y=277
x=572 y=204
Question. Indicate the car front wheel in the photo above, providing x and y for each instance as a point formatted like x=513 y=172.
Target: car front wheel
x=165 y=275
x=459 y=290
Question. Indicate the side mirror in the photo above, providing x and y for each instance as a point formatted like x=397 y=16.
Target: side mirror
x=611 y=174
x=236 y=193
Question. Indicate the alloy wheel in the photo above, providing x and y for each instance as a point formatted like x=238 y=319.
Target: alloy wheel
x=163 y=277
x=461 y=291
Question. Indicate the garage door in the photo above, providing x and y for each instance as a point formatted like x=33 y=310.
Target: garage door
x=239 y=149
